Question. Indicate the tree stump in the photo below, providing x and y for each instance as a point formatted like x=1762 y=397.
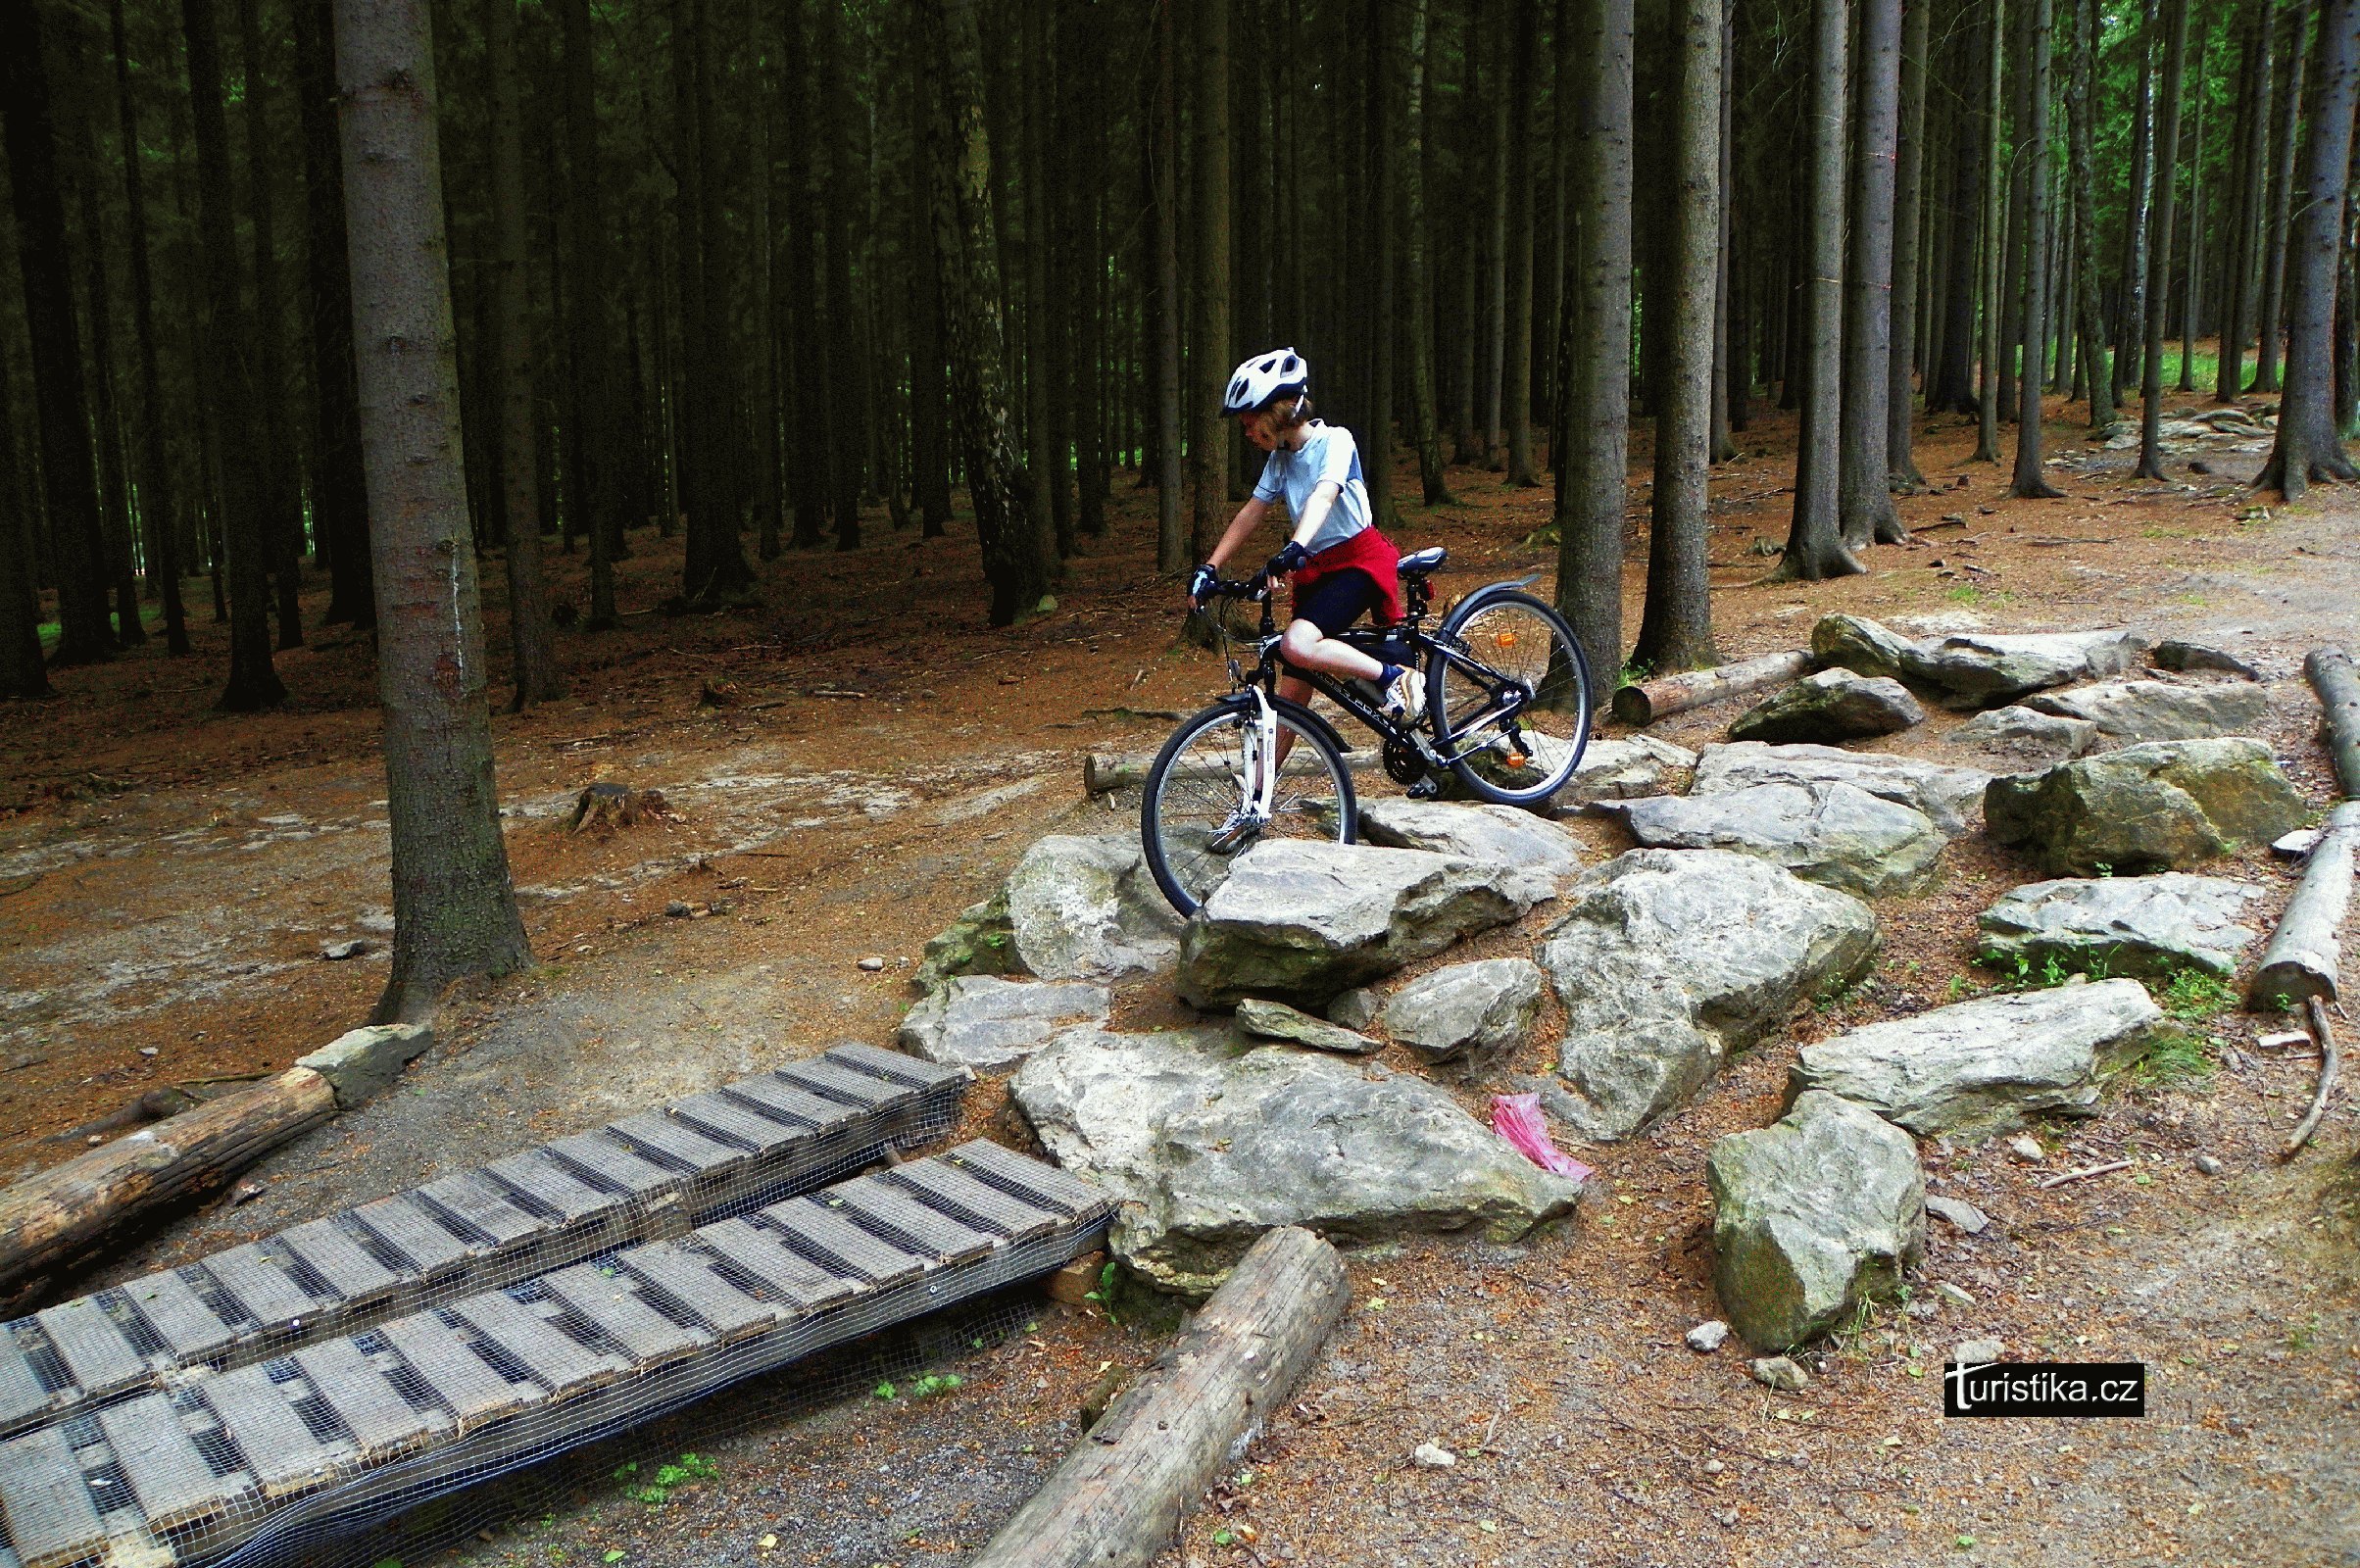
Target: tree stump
x=604 y=807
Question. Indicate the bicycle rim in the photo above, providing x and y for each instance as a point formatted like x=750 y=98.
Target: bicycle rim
x=1523 y=760
x=1197 y=783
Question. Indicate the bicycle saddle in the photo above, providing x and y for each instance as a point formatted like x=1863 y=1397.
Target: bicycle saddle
x=1423 y=562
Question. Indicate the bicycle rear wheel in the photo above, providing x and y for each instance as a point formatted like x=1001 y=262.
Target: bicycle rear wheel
x=1517 y=690
x=1195 y=818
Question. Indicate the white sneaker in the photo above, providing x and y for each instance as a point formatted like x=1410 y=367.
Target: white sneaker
x=1405 y=698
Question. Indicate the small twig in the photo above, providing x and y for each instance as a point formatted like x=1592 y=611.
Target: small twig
x=2085 y=1172
x=1946 y=523
x=228 y=1078
x=22 y=1063
x=25 y=886
x=2331 y=1058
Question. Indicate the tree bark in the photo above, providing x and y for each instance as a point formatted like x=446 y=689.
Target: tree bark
x=1864 y=506
x=2309 y=447
x=2034 y=37
x=1908 y=259
x=1505 y=129
x=2079 y=111
x=1718 y=446
x=847 y=398
x=1951 y=387
x=2131 y=318
x=929 y=413
x=1994 y=239
x=1383 y=252
x=68 y=491
x=2251 y=170
x=23 y=675
x=2159 y=246
x=1425 y=422
x=2282 y=203
x=1516 y=390
x=588 y=321
x=115 y=512
x=715 y=568
x=283 y=519
x=339 y=495
x=1815 y=543
x=1173 y=549
x=1208 y=450
x=454 y=911
x=2190 y=297
x=1594 y=339
x=1642 y=702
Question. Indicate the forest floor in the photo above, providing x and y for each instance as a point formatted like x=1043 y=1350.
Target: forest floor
x=170 y=879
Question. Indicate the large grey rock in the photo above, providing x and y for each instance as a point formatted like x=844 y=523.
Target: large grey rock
x=1980 y=669
x=1621 y=768
x=1856 y=643
x=2176 y=654
x=1480 y=1010
x=1207 y=1147
x=2131 y=710
x=978 y=942
x=2157 y=807
x=360 y=1062
x=982 y=1022
x=1670 y=961
x=1275 y=1020
x=1985 y=1065
x=1823 y=1209
x=2020 y=735
x=1833 y=834
x=1944 y=793
x=1298 y=921
x=1087 y=908
x=2126 y=925
x=1834 y=705
x=1537 y=852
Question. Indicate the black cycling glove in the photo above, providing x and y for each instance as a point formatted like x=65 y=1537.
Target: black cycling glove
x=1202 y=584
x=1285 y=563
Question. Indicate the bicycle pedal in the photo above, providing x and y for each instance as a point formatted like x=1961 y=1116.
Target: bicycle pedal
x=1426 y=789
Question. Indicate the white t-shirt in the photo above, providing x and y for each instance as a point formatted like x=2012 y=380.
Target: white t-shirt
x=1329 y=455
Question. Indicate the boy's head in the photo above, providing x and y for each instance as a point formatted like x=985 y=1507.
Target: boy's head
x=1270 y=395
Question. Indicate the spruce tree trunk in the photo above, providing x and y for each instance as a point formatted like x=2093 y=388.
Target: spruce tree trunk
x=589 y=323
x=113 y=486
x=68 y=491
x=1718 y=447
x=2131 y=317
x=1952 y=386
x=1909 y=257
x=2034 y=37
x=1174 y=549
x=715 y=568
x=1864 y=496
x=1995 y=241
x=1383 y=251
x=1675 y=631
x=929 y=377
x=1083 y=375
x=228 y=338
x=1516 y=392
x=1209 y=366
x=1815 y=544
x=2281 y=202
x=2347 y=328
x=157 y=490
x=959 y=159
x=1425 y=424
x=283 y=519
x=339 y=494
x=1466 y=308
x=2174 y=17
x=847 y=396
x=1043 y=463
x=2245 y=236
x=2088 y=315
x=2191 y=298
x=2309 y=447
x=23 y=675
x=454 y=911
x=538 y=679
x=1594 y=339
x=1505 y=129
x=807 y=297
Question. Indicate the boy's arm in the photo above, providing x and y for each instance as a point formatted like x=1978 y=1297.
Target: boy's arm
x=1314 y=512
x=1241 y=528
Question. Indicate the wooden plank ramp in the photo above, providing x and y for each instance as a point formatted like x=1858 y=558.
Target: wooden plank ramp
x=270 y=1460
x=652 y=1174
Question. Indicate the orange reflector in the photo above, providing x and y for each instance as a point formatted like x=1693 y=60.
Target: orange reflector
x=1506 y=639
x=1517 y=759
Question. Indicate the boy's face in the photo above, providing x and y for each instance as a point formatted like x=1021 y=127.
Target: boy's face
x=1262 y=428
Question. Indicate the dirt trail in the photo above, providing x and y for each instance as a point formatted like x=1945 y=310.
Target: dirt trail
x=168 y=879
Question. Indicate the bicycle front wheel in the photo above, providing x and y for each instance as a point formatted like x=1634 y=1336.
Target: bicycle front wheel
x=1202 y=797
x=1508 y=686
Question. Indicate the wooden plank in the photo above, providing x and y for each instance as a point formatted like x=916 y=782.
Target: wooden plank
x=948 y=1187
x=553 y=1358
x=263 y=1285
x=725 y=1120
x=179 y=1317
x=607 y=1300
x=536 y=1176
x=687 y=1279
x=170 y=1479
x=653 y=1132
x=844 y=1243
x=804 y=1285
x=846 y=1086
x=899 y=1067
x=381 y=1422
x=414 y=1234
x=50 y=1517
x=259 y=1415
x=470 y=1388
x=1032 y=1180
x=781 y=1101
x=98 y=1356
x=602 y=1157
x=872 y=1203
x=358 y=1279
x=475 y=1204
x=21 y=1395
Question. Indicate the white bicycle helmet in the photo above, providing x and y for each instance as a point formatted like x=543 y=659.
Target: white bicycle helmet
x=1281 y=373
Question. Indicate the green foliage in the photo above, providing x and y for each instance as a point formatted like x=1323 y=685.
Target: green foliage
x=886 y=1390
x=1633 y=672
x=934 y=1382
x=2177 y=1058
x=2194 y=996
x=687 y=1470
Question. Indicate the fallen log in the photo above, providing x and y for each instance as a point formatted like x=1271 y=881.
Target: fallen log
x=1122 y=1494
x=2331 y=1059
x=1103 y=774
x=2306 y=950
x=2337 y=680
x=1645 y=701
x=51 y=1220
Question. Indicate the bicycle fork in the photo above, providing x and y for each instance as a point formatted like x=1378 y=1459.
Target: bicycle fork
x=1262 y=758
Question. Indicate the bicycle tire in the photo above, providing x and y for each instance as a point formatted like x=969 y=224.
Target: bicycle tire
x=1560 y=670
x=1171 y=822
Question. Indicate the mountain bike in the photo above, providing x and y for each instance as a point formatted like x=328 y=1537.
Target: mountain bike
x=1508 y=704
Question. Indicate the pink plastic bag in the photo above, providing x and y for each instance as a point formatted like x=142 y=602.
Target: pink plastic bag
x=1517 y=1118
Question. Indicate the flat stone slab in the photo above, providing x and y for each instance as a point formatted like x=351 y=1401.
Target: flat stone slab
x=1811 y=1215
x=2123 y=925
x=1087 y=908
x=1621 y=768
x=1834 y=834
x=1858 y=644
x=1947 y=795
x=360 y=1062
x=2134 y=711
x=1986 y=1065
x=2025 y=735
x=983 y=1022
x=1833 y=704
x=1541 y=855
x=2179 y=655
x=1479 y=1011
x=1275 y=1020
x=2158 y=807
x=1300 y=921
x=1978 y=669
x=1206 y=1144
x=1668 y=961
